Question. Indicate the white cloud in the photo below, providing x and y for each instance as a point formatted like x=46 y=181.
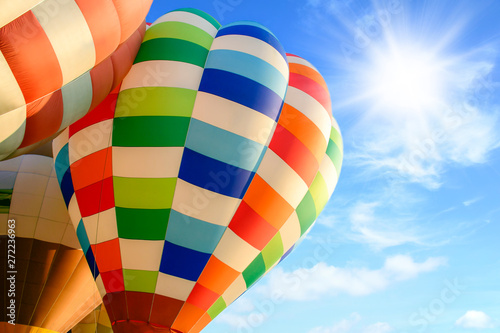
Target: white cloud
x=342 y=326
x=475 y=319
x=324 y=280
x=378 y=328
x=369 y=228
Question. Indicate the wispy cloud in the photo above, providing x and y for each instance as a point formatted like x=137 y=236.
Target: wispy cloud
x=370 y=228
x=353 y=324
x=343 y=326
x=378 y=328
x=325 y=280
x=475 y=319
x=467 y=203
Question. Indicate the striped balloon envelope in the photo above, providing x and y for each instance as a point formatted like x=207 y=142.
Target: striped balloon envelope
x=58 y=60
x=196 y=178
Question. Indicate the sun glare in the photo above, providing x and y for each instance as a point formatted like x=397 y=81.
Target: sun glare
x=404 y=79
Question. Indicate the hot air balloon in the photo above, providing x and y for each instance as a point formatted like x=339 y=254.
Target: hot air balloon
x=46 y=284
x=59 y=59
x=199 y=176
x=95 y=322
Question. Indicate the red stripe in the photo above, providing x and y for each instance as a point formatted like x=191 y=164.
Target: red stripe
x=104 y=111
x=310 y=87
x=202 y=297
x=96 y=198
x=252 y=227
x=31 y=57
x=295 y=154
x=44 y=118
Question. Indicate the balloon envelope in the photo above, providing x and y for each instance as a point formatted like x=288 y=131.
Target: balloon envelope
x=95 y=322
x=199 y=176
x=58 y=59
x=50 y=285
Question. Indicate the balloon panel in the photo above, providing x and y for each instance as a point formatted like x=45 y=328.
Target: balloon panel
x=95 y=322
x=54 y=288
x=47 y=54
x=200 y=175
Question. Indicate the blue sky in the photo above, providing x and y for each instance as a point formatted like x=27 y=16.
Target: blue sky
x=409 y=240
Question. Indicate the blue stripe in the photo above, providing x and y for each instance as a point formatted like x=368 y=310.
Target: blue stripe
x=61 y=163
x=255 y=31
x=249 y=66
x=192 y=233
x=214 y=175
x=182 y=262
x=287 y=253
x=67 y=187
x=242 y=90
x=223 y=145
x=82 y=236
x=252 y=23
x=92 y=264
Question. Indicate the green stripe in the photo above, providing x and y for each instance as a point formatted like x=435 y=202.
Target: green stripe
x=150 y=131
x=306 y=211
x=201 y=14
x=319 y=192
x=217 y=308
x=172 y=49
x=273 y=251
x=254 y=271
x=144 y=193
x=147 y=224
x=138 y=280
x=179 y=30
x=335 y=155
x=5 y=199
x=336 y=136
x=155 y=101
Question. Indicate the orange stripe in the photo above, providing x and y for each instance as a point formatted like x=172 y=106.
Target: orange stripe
x=124 y=56
x=91 y=169
x=31 y=57
x=132 y=15
x=110 y=72
x=44 y=117
x=217 y=276
x=308 y=72
x=104 y=25
x=303 y=129
x=204 y=321
x=263 y=199
x=187 y=318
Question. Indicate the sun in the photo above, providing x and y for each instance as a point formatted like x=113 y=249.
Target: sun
x=404 y=79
